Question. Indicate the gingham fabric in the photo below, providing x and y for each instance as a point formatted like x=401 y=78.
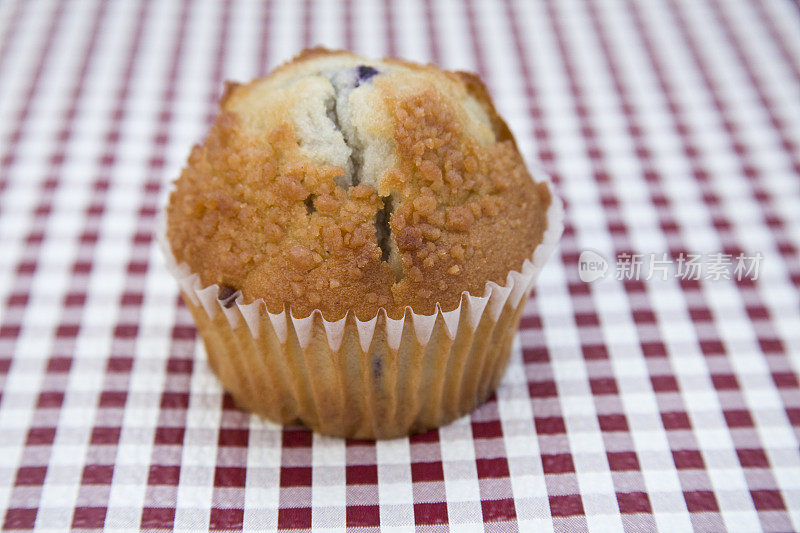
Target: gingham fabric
x=669 y=126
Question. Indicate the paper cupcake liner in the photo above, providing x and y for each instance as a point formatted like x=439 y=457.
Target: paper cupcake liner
x=379 y=378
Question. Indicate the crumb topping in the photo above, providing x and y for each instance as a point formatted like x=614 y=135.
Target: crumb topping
x=253 y=213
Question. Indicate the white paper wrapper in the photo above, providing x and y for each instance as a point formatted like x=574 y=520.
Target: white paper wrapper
x=379 y=378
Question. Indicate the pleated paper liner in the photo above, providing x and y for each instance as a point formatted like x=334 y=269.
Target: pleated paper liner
x=376 y=379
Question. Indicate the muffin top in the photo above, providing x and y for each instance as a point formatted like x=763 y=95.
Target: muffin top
x=343 y=184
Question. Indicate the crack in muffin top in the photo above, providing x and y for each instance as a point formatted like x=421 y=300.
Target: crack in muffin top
x=343 y=184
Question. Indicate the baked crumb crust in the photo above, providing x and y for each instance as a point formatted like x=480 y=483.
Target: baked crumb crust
x=453 y=208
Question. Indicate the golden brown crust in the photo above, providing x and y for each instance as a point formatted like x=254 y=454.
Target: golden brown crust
x=227 y=92
x=253 y=212
x=476 y=87
x=314 y=52
x=472 y=213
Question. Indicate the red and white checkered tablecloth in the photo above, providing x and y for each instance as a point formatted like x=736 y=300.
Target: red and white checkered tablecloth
x=665 y=402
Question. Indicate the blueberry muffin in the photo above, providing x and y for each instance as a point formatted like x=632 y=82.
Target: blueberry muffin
x=355 y=221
